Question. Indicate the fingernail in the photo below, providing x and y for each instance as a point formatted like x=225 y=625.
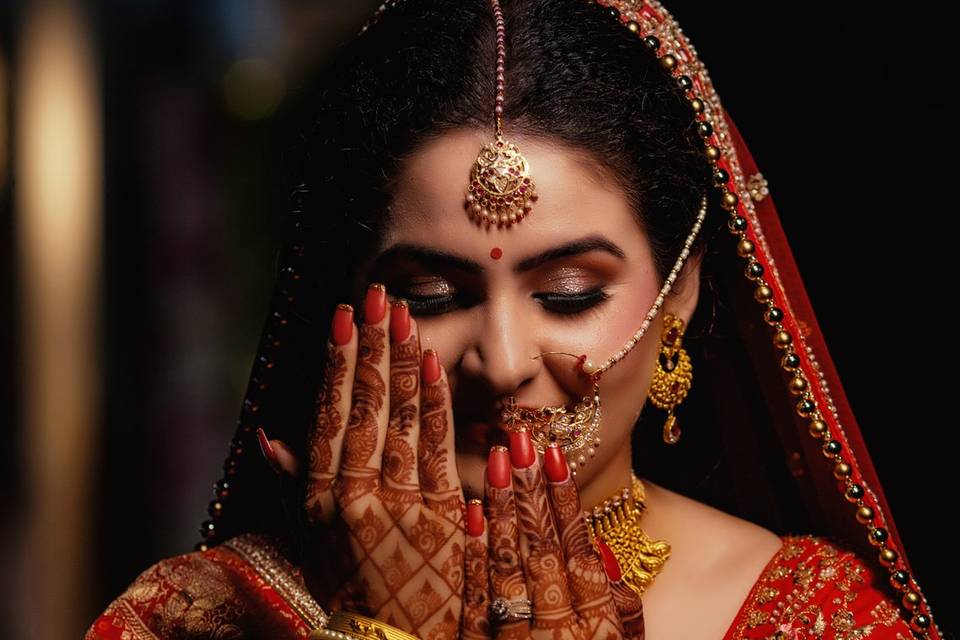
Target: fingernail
x=474 y=517
x=342 y=329
x=610 y=564
x=267 y=450
x=399 y=321
x=498 y=467
x=375 y=305
x=431 y=366
x=521 y=449
x=555 y=464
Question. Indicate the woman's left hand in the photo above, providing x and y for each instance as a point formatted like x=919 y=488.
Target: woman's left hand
x=535 y=543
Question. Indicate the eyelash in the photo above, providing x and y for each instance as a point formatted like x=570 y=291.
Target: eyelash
x=576 y=305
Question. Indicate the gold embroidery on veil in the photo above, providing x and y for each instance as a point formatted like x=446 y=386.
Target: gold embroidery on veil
x=280 y=574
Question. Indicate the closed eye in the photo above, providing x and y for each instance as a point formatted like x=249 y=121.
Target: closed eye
x=564 y=305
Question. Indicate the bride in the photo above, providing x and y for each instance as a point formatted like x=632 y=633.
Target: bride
x=539 y=364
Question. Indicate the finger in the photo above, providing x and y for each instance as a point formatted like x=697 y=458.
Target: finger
x=543 y=563
x=586 y=577
x=325 y=436
x=284 y=460
x=399 y=465
x=366 y=430
x=629 y=609
x=506 y=571
x=476 y=600
x=439 y=478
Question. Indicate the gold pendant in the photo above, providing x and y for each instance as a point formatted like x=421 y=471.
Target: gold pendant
x=640 y=557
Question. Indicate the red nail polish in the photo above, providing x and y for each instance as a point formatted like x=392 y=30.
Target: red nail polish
x=399 y=321
x=498 y=467
x=521 y=449
x=375 y=305
x=342 y=329
x=431 y=366
x=474 y=518
x=267 y=450
x=555 y=464
x=610 y=564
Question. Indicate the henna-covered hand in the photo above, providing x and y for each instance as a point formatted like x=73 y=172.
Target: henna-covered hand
x=383 y=499
x=537 y=545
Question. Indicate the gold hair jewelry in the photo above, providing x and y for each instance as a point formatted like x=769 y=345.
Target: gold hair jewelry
x=672 y=377
x=500 y=190
x=616 y=524
x=346 y=625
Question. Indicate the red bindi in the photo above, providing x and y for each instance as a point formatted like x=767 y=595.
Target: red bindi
x=496 y=253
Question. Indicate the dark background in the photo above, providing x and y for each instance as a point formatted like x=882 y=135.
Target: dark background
x=843 y=106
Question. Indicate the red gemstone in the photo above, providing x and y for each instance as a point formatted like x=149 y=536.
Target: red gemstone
x=610 y=563
x=675 y=431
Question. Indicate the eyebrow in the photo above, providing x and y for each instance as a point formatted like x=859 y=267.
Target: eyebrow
x=438 y=257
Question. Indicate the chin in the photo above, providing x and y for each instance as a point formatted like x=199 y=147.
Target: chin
x=472 y=465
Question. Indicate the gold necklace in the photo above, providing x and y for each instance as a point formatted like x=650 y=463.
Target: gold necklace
x=615 y=525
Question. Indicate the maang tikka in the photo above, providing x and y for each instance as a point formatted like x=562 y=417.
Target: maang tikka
x=500 y=192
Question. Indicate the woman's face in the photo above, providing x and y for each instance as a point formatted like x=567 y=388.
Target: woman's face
x=576 y=275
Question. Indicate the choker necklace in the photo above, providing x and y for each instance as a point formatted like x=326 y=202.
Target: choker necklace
x=626 y=549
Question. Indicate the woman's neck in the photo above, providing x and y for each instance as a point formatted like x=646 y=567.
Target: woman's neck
x=616 y=475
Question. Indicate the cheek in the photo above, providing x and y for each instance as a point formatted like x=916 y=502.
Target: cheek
x=602 y=334
x=442 y=334
x=623 y=388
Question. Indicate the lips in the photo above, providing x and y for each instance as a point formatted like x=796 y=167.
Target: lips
x=479 y=432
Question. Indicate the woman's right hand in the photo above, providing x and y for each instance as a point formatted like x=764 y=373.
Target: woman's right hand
x=383 y=500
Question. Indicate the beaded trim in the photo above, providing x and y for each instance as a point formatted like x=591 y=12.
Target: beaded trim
x=280 y=574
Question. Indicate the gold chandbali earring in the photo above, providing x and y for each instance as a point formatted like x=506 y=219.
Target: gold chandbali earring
x=501 y=191
x=673 y=376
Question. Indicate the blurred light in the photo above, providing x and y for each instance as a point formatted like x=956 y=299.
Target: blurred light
x=253 y=88
x=4 y=93
x=58 y=226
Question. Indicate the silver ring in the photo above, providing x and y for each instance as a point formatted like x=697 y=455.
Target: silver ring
x=503 y=610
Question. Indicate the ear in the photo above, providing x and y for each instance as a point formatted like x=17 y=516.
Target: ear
x=682 y=299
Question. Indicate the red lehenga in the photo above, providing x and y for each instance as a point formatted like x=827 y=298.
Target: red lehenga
x=246 y=588
x=797 y=461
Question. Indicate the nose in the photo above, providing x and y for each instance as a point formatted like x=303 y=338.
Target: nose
x=503 y=348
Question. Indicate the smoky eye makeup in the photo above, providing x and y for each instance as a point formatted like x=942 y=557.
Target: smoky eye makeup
x=432 y=295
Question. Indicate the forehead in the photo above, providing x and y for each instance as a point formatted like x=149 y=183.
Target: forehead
x=575 y=198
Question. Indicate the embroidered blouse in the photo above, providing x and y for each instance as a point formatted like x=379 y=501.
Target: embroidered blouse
x=245 y=588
